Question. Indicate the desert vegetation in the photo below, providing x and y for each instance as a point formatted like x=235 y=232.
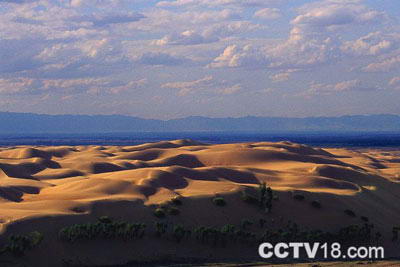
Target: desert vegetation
x=219 y=201
x=190 y=194
x=19 y=244
x=159 y=213
x=243 y=234
x=104 y=228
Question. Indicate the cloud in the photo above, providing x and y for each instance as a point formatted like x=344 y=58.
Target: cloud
x=76 y=3
x=209 y=16
x=102 y=20
x=161 y=59
x=386 y=65
x=189 y=37
x=333 y=14
x=230 y=89
x=268 y=14
x=234 y=56
x=192 y=86
x=210 y=34
x=169 y=21
x=23 y=20
x=35 y=86
x=297 y=52
x=132 y=85
x=223 y=30
x=395 y=82
x=214 y=3
x=18 y=1
x=98 y=3
x=345 y=86
x=83 y=58
x=309 y=44
x=17 y=57
x=375 y=43
x=280 y=77
x=18 y=86
x=72 y=47
x=208 y=84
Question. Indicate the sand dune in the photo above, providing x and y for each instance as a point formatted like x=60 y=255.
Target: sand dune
x=48 y=187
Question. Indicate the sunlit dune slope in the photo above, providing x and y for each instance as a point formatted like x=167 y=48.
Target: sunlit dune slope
x=157 y=171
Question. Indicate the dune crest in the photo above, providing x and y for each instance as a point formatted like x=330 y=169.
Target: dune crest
x=144 y=170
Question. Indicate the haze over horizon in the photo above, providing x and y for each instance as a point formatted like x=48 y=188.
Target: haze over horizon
x=213 y=58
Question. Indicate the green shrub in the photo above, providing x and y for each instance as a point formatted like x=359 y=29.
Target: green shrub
x=107 y=230
x=161 y=228
x=159 y=213
x=104 y=219
x=179 y=233
x=265 y=197
x=18 y=244
x=219 y=201
x=228 y=228
x=249 y=198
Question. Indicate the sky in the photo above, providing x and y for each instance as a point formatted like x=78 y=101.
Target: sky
x=215 y=58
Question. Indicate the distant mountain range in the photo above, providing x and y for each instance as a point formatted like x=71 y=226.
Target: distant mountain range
x=27 y=123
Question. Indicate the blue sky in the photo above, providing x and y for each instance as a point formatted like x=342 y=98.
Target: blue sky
x=216 y=58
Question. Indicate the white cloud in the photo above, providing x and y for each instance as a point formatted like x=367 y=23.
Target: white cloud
x=132 y=85
x=234 y=56
x=32 y=86
x=208 y=84
x=189 y=37
x=211 y=34
x=268 y=13
x=335 y=14
x=301 y=51
x=386 y=65
x=395 y=82
x=82 y=58
x=280 y=77
x=345 y=86
x=161 y=59
x=102 y=20
x=214 y=3
x=17 y=86
x=16 y=57
x=76 y=3
x=61 y=49
x=375 y=43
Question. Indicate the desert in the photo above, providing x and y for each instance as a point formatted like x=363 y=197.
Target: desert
x=187 y=201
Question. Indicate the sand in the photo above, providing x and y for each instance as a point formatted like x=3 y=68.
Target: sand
x=45 y=188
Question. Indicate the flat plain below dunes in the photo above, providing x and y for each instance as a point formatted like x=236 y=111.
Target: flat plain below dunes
x=47 y=188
